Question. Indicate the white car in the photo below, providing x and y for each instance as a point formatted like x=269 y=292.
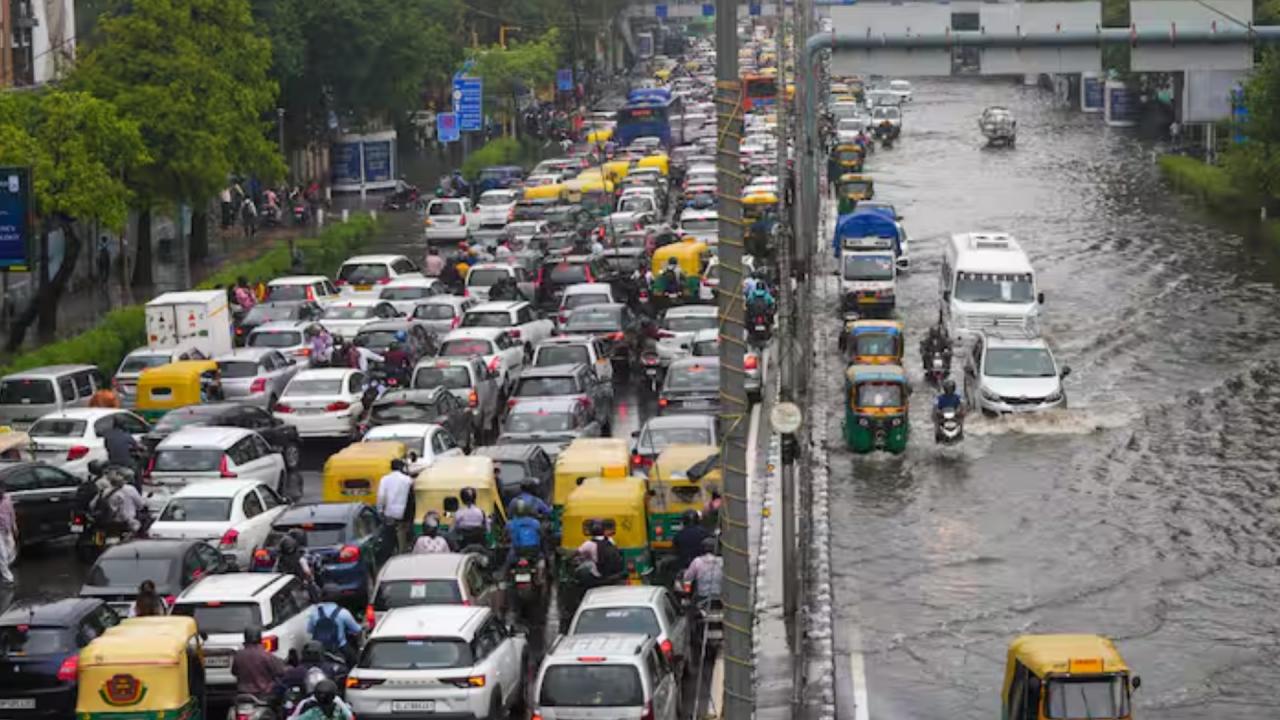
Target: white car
x=702 y=225
x=583 y=294
x=446 y=660
x=678 y=327
x=1014 y=374
x=516 y=317
x=496 y=208
x=594 y=677
x=361 y=275
x=71 y=439
x=406 y=294
x=199 y=453
x=224 y=605
x=502 y=354
x=345 y=318
x=284 y=335
x=300 y=288
x=446 y=220
x=643 y=609
x=323 y=402
x=235 y=514
x=901 y=88
x=482 y=276
x=426 y=442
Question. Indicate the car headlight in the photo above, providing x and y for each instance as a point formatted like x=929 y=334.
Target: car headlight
x=1055 y=396
x=896 y=421
x=994 y=397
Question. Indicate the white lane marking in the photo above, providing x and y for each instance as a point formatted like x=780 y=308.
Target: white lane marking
x=858 y=670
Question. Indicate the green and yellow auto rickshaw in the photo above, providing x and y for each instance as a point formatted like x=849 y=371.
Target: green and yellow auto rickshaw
x=873 y=342
x=852 y=189
x=875 y=416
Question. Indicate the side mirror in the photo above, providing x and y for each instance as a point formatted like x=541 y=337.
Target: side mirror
x=946 y=296
x=1040 y=298
x=1066 y=370
x=1135 y=682
x=635 y=433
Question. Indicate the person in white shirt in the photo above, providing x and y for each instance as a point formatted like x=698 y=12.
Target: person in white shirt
x=430 y=540
x=394 y=490
x=364 y=355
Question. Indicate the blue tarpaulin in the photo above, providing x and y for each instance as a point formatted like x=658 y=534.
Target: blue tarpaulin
x=865 y=223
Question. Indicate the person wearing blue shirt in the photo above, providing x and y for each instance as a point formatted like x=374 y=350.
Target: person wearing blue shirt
x=332 y=625
x=948 y=400
x=528 y=493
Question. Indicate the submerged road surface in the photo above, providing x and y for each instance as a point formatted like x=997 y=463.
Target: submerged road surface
x=1146 y=511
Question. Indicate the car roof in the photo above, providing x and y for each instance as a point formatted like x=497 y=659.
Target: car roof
x=232 y=586
x=224 y=488
x=90 y=414
x=323 y=373
x=620 y=595
x=281 y=326
x=706 y=334
x=358 y=302
x=246 y=353
x=402 y=429
x=483 y=333
x=412 y=281
x=297 y=280
x=461 y=621
x=392 y=324
x=507 y=452
x=553 y=370
x=587 y=287
x=1014 y=340
x=573 y=646
x=321 y=511
x=683 y=420
x=443 y=299
x=707 y=361
x=691 y=311
x=368 y=259
x=429 y=565
x=601 y=306
x=565 y=340
x=47 y=370
x=411 y=395
x=203 y=437
x=498 y=305
x=549 y=404
x=48 y=612
x=149 y=548
x=493 y=265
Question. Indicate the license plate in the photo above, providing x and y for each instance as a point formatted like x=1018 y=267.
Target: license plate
x=524 y=577
x=866 y=299
x=217 y=661
x=697 y=404
x=77 y=529
x=310 y=411
x=413 y=706
x=364 y=288
x=760 y=328
x=17 y=703
x=355 y=491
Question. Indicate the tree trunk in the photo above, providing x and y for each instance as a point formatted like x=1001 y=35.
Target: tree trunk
x=142 y=265
x=47 y=296
x=199 y=233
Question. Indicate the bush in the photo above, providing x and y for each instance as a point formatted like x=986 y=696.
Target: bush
x=1210 y=183
x=503 y=151
x=120 y=331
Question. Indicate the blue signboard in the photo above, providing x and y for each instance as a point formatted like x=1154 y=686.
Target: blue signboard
x=1091 y=94
x=345 y=159
x=1124 y=104
x=15 y=217
x=564 y=80
x=377 y=161
x=1239 y=114
x=447 y=127
x=754 y=9
x=660 y=11
x=468 y=94
x=708 y=9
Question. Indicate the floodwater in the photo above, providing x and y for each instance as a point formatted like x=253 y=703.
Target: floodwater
x=1147 y=511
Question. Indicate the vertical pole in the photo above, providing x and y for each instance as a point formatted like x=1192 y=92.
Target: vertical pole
x=280 y=136
x=735 y=412
x=786 y=330
x=6 y=44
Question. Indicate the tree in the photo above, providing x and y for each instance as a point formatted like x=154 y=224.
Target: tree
x=1255 y=163
x=193 y=75
x=78 y=148
x=506 y=72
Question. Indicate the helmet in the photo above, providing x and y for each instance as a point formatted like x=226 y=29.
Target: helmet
x=431 y=525
x=595 y=527
x=360 y=341
x=691 y=517
x=253 y=635
x=520 y=507
x=671 y=261
x=118 y=476
x=288 y=545
x=299 y=536
x=401 y=336
x=397 y=465
x=325 y=693
x=97 y=467
x=948 y=386
x=313 y=651
x=468 y=495
x=529 y=485
x=709 y=545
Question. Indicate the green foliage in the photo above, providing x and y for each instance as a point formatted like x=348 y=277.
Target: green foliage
x=1212 y=185
x=1255 y=163
x=106 y=344
x=520 y=65
x=502 y=151
x=193 y=75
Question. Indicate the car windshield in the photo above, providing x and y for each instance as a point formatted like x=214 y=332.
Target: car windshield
x=466 y=347
x=135 y=364
x=379 y=340
x=706 y=348
x=400 y=411
x=886 y=113
x=318 y=534
x=187 y=460
x=879 y=395
x=416 y=654
x=580 y=299
x=591 y=685
x=549 y=355
x=237 y=369
x=522 y=229
x=35 y=641
x=568 y=274
x=405 y=593
x=26 y=392
x=314 y=386
x=1018 y=363
x=58 y=428
x=659 y=439
x=412 y=443
x=994 y=287
x=603 y=621
x=485 y=277
x=363 y=274
x=412 y=292
x=1086 y=698
x=543 y=386
x=868 y=267
x=542 y=421
x=852 y=124
x=635 y=203
x=275 y=339
x=450 y=377
x=591 y=319
x=510 y=474
x=875 y=344
x=222 y=618
x=446 y=208
x=700 y=225
x=487 y=319
x=349 y=312
x=130 y=571
x=689 y=323
x=433 y=311
x=197 y=509
x=693 y=377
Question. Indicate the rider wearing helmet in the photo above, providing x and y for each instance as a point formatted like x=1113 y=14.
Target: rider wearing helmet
x=256 y=670
x=529 y=494
x=470 y=522
x=672 y=277
x=398 y=361
x=524 y=531
x=430 y=540
x=948 y=400
x=324 y=704
x=600 y=548
x=688 y=542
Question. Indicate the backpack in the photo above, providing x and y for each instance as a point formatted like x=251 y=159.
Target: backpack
x=326 y=629
x=669 y=283
x=525 y=534
x=102 y=508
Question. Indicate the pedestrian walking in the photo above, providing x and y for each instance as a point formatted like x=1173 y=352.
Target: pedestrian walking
x=103 y=260
x=249 y=217
x=228 y=209
x=8 y=537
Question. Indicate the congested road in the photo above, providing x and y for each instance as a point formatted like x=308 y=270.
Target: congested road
x=1145 y=511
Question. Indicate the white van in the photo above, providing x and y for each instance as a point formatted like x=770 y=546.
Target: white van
x=987 y=281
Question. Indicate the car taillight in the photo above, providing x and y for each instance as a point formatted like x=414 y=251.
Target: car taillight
x=270 y=642
x=170 y=600
x=473 y=399
x=384 y=281
x=663 y=402
x=151 y=466
x=362 y=683
x=348 y=554
x=229 y=537
x=67 y=670
x=340 y=282
x=514 y=333
x=538 y=280
x=495 y=363
x=512 y=402
x=224 y=468
x=638 y=460
x=614 y=336
x=472 y=681
x=75 y=452
x=303 y=351
x=454 y=323
x=242 y=716
x=282 y=408
x=369 y=618
x=262 y=557
x=336 y=406
x=462 y=219
x=750 y=362
x=665 y=334
x=667 y=649
x=586 y=271
x=239 y=330
x=648 y=711
x=466 y=292
x=258 y=385
x=562 y=318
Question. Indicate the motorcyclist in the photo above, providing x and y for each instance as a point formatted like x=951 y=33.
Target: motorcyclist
x=291 y=559
x=121 y=447
x=759 y=300
x=935 y=341
x=397 y=360
x=470 y=523
x=524 y=532
x=324 y=704
x=450 y=277
x=688 y=542
x=123 y=502
x=334 y=627
x=430 y=540
x=505 y=289
x=321 y=344
x=311 y=659
x=706 y=572
x=529 y=494
x=256 y=670
x=948 y=400
x=672 y=278
x=363 y=355
x=433 y=264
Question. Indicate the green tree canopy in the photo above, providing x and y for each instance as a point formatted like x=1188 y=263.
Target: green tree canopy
x=521 y=65
x=1255 y=163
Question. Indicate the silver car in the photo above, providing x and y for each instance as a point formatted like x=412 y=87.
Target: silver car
x=287 y=337
x=471 y=382
x=256 y=376
x=678 y=326
x=442 y=313
x=706 y=343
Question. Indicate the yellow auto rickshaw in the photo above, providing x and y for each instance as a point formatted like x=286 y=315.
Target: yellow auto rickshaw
x=662 y=74
x=657 y=160
x=593 y=191
x=755 y=205
x=873 y=342
x=672 y=491
x=875 y=408
x=438 y=490
x=600 y=136
x=177 y=384
x=620 y=504
x=616 y=170
x=551 y=192
x=852 y=189
x=148 y=669
x=1066 y=676
x=692 y=257
x=584 y=458
x=352 y=473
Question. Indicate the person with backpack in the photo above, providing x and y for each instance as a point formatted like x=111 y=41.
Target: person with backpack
x=672 y=278
x=608 y=558
x=334 y=627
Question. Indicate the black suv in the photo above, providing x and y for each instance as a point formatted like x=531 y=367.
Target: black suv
x=39 y=650
x=44 y=500
x=279 y=435
x=435 y=405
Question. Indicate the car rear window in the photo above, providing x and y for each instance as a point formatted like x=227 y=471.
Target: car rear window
x=706 y=348
x=188 y=460
x=567 y=274
x=546 y=386
x=405 y=293
x=130 y=571
x=591 y=685
x=318 y=534
x=137 y=363
x=690 y=323
x=485 y=277
x=693 y=377
x=350 y=312
x=541 y=421
x=221 y=618
x=314 y=386
x=466 y=348
x=26 y=392
x=603 y=621
x=433 y=311
x=575 y=301
x=57 y=427
x=562 y=355
x=407 y=593
x=496 y=199
x=487 y=319
x=363 y=273
x=445 y=208
x=275 y=339
x=233 y=370
x=378 y=339
x=660 y=439
x=403 y=412
x=277 y=293
x=591 y=319
x=17 y=642
x=453 y=377
x=264 y=313
x=197 y=509
x=416 y=654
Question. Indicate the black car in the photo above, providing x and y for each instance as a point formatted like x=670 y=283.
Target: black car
x=569 y=218
x=614 y=324
x=436 y=405
x=39 y=650
x=280 y=310
x=692 y=385
x=379 y=335
x=279 y=435
x=171 y=564
x=625 y=260
x=513 y=464
x=44 y=500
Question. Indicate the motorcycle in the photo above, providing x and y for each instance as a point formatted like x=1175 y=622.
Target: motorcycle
x=759 y=330
x=937 y=366
x=651 y=362
x=402 y=199
x=527 y=579
x=708 y=616
x=948 y=426
x=251 y=707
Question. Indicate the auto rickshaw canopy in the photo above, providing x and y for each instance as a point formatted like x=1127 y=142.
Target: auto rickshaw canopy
x=438 y=488
x=176 y=384
x=656 y=160
x=352 y=473
x=618 y=502
x=892 y=330
x=589 y=457
x=133 y=672
x=1046 y=655
x=689 y=253
x=553 y=191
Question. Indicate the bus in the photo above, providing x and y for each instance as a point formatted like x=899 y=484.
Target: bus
x=650 y=117
x=760 y=90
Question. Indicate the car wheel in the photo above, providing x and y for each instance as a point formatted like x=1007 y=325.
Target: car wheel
x=292 y=455
x=495 y=706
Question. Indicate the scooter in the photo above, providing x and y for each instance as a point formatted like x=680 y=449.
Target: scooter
x=937 y=366
x=652 y=365
x=948 y=426
x=759 y=330
x=251 y=707
x=527 y=580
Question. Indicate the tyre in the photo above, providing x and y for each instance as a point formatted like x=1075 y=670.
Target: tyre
x=495 y=706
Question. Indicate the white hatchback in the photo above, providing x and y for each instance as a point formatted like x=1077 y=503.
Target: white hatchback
x=496 y=208
x=234 y=514
x=447 y=220
x=323 y=402
x=71 y=439
x=199 y=453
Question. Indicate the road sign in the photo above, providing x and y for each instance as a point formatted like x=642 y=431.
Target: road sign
x=708 y=9
x=447 y=127
x=660 y=11
x=754 y=9
x=468 y=93
x=564 y=80
x=15 y=217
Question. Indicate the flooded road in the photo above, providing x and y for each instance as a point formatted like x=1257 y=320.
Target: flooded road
x=1146 y=511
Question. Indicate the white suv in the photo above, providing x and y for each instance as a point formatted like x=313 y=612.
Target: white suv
x=516 y=317
x=445 y=660
x=195 y=454
x=642 y=609
x=1013 y=375
x=603 y=677
x=224 y=605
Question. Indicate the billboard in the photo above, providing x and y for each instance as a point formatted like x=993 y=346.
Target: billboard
x=1048 y=17
x=16 y=210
